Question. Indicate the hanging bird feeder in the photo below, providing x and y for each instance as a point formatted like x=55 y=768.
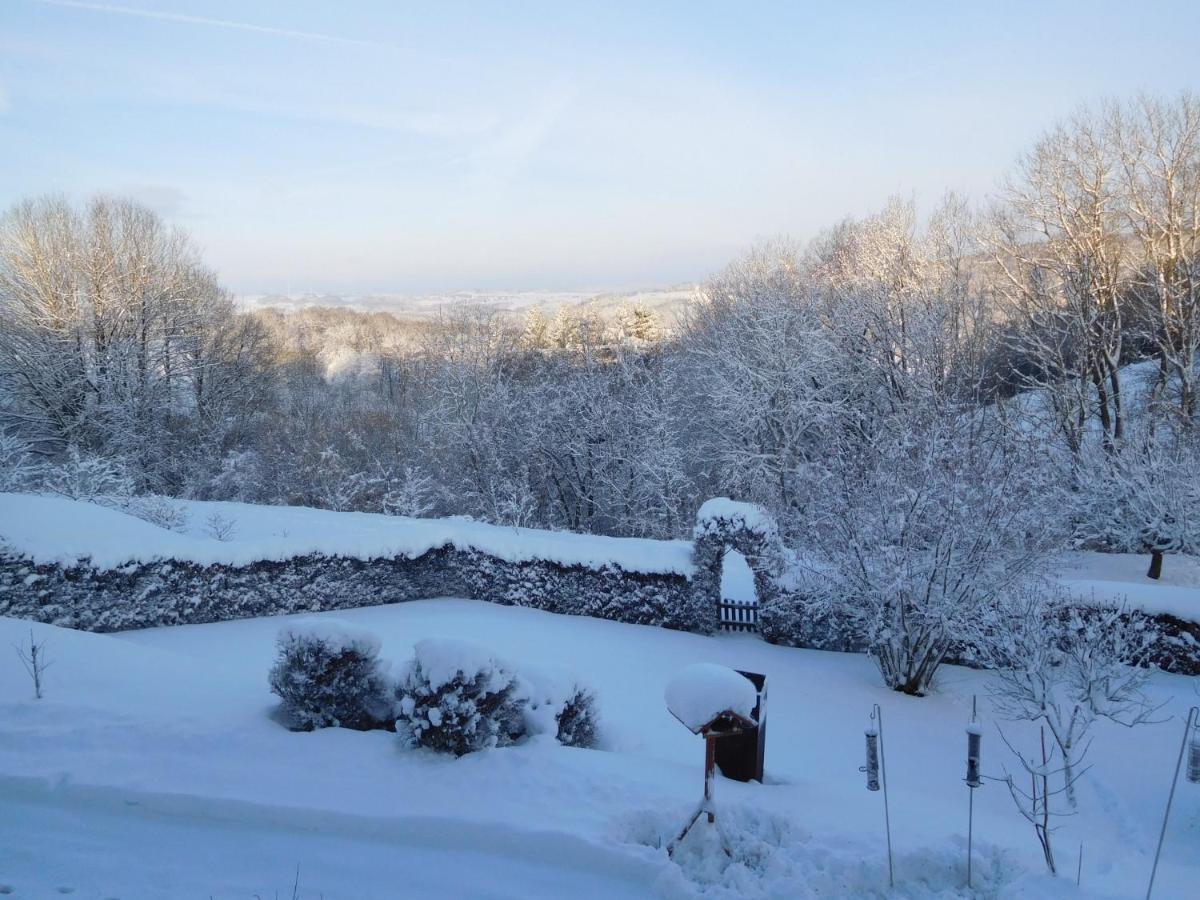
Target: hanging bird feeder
x=1193 y=768
x=876 y=770
x=872 y=766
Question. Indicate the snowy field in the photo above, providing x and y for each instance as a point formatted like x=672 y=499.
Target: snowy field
x=154 y=768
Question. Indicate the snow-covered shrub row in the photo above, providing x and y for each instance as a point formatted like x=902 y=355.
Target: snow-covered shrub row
x=329 y=675
x=456 y=697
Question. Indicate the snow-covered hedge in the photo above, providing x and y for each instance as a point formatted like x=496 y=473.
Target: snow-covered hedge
x=146 y=595
x=328 y=674
x=456 y=697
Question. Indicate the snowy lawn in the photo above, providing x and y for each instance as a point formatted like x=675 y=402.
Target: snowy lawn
x=154 y=768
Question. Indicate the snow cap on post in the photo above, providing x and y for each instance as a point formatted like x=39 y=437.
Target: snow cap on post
x=704 y=692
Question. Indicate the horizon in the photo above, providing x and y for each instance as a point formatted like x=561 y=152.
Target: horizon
x=455 y=150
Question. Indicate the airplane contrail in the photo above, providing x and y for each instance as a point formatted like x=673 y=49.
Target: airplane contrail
x=208 y=22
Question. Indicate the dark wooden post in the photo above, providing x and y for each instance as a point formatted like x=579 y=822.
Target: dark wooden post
x=710 y=765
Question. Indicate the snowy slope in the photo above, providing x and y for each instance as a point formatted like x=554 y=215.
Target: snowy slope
x=57 y=530
x=153 y=768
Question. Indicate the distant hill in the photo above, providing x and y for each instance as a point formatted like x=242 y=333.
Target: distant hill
x=664 y=301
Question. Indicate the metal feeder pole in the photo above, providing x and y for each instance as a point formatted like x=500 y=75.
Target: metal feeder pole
x=1193 y=720
x=877 y=715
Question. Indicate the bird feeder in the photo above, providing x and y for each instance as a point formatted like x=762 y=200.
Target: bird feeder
x=713 y=702
x=872 y=766
x=1193 y=767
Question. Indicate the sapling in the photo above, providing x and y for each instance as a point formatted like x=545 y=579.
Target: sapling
x=33 y=658
x=1066 y=667
x=218 y=527
x=1036 y=805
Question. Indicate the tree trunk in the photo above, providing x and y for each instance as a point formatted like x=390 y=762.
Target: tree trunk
x=1156 y=559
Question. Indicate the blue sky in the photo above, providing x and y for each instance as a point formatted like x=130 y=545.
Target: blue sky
x=414 y=147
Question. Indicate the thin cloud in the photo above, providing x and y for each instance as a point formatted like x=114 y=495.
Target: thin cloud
x=207 y=22
x=5 y=106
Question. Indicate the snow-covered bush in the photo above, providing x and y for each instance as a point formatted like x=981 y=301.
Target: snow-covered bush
x=17 y=468
x=86 y=476
x=556 y=704
x=578 y=720
x=411 y=494
x=456 y=697
x=158 y=511
x=921 y=536
x=328 y=674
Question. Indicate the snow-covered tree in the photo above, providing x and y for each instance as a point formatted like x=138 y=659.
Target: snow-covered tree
x=922 y=535
x=1143 y=498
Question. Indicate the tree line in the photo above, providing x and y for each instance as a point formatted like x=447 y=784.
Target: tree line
x=1029 y=362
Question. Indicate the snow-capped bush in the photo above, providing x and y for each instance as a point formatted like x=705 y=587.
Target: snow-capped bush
x=87 y=476
x=456 y=697
x=158 y=511
x=328 y=674
x=578 y=720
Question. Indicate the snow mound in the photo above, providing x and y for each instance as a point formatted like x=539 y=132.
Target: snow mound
x=701 y=692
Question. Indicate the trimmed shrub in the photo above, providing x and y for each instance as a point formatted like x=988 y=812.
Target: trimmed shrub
x=456 y=697
x=328 y=674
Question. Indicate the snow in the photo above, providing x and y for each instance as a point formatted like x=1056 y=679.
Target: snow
x=154 y=768
x=51 y=529
x=443 y=659
x=1120 y=578
x=337 y=635
x=702 y=691
x=737 y=579
x=751 y=516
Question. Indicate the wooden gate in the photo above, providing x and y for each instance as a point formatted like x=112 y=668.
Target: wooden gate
x=739 y=615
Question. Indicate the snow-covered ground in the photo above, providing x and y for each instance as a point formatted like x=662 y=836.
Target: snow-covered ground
x=1121 y=578
x=154 y=768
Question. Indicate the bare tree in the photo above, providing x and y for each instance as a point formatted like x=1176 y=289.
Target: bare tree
x=1061 y=256
x=1037 y=805
x=1158 y=147
x=33 y=658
